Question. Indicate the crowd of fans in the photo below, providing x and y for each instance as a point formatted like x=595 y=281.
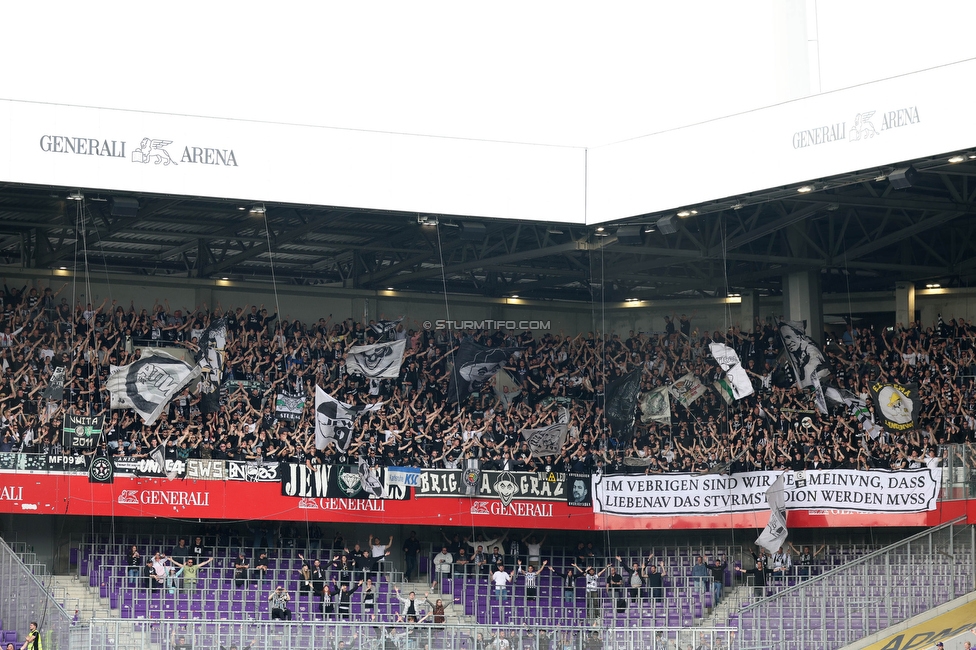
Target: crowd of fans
x=777 y=427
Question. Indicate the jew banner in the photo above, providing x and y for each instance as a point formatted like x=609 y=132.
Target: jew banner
x=896 y=405
x=337 y=482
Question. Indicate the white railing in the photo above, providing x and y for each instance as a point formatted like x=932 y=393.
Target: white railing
x=869 y=594
x=271 y=635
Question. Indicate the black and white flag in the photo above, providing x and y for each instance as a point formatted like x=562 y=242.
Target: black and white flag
x=334 y=420
x=380 y=361
x=548 y=441
x=738 y=379
x=843 y=397
x=474 y=365
x=211 y=362
x=655 y=406
x=55 y=387
x=775 y=533
x=806 y=359
x=622 y=397
x=384 y=327
x=147 y=385
x=289 y=407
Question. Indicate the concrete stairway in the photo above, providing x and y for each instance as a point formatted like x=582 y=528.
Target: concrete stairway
x=453 y=610
x=732 y=597
x=78 y=598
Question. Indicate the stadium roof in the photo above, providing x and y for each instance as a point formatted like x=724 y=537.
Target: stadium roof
x=857 y=230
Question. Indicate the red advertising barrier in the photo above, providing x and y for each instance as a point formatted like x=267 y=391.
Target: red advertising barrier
x=192 y=499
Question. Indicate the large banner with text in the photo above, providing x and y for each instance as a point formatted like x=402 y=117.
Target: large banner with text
x=221 y=489
x=904 y=491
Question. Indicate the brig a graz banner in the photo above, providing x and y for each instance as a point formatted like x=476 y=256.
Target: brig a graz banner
x=903 y=491
x=504 y=486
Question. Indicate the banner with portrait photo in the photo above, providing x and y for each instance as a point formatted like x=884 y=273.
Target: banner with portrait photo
x=579 y=492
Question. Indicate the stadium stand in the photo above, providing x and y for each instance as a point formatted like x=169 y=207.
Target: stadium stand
x=266 y=357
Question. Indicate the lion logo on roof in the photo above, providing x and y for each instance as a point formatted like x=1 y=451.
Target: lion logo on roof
x=152 y=151
x=863 y=128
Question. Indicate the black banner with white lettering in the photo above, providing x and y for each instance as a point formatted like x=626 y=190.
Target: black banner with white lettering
x=505 y=486
x=337 y=481
x=82 y=431
x=132 y=466
x=67 y=463
x=206 y=468
x=239 y=470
